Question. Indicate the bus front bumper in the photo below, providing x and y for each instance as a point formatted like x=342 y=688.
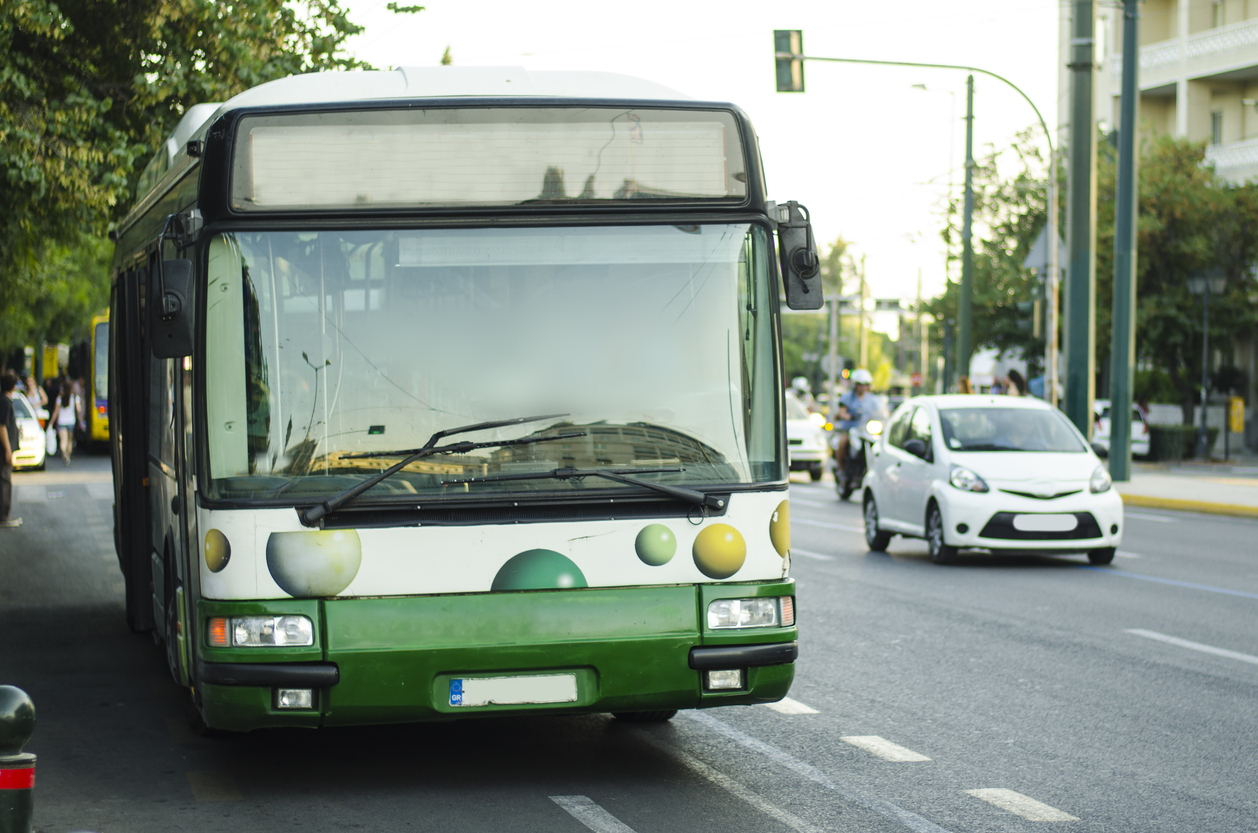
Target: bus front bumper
x=407 y=659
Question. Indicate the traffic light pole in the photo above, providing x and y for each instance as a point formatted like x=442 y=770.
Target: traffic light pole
x=965 y=302
x=1123 y=341
x=789 y=58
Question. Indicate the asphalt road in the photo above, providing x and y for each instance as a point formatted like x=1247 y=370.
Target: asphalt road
x=975 y=697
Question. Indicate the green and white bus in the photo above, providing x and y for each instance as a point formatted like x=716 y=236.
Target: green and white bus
x=453 y=392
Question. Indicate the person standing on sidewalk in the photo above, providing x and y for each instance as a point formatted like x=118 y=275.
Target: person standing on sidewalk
x=8 y=444
x=65 y=417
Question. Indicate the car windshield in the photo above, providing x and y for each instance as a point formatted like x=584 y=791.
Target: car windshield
x=1008 y=429
x=795 y=409
x=656 y=343
x=20 y=408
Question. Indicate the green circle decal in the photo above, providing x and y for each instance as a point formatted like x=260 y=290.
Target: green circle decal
x=656 y=544
x=539 y=570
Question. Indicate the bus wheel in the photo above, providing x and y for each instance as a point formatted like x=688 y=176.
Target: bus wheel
x=646 y=717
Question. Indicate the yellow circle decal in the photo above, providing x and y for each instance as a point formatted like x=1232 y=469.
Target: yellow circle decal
x=719 y=551
x=218 y=550
x=780 y=528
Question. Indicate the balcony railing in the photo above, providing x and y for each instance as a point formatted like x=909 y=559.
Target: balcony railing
x=1235 y=37
x=1234 y=159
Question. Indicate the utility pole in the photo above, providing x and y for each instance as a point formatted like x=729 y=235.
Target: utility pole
x=1123 y=342
x=1080 y=322
x=965 y=343
x=923 y=333
x=832 y=401
x=864 y=351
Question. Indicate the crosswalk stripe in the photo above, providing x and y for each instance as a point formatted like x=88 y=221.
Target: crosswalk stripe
x=584 y=810
x=788 y=706
x=1021 y=805
x=884 y=748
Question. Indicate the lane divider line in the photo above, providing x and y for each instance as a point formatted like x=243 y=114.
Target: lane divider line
x=824 y=525
x=1195 y=646
x=804 y=502
x=733 y=787
x=809 y=554
x=1021 y=805
x=1122 y=554
x=1112 y=572
x=848 y=792
x=584 y=810
x=1140 y=516
x=788 y=706
x=213 y=786
x=883 y=748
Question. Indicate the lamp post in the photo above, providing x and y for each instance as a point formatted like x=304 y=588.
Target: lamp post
x=1203 y=284
x=788 y=53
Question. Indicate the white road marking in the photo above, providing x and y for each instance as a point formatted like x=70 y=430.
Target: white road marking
x=30 y=494
x=1124 y=554
x=884 y=748
x=1021 y=805
x=848 y=792
x=800 y=500
x=788 y=706
x=807 y=554
x=733 y=787
x=1142 y=517
x=844 y=527
x=590 y=814
x=1195 y=646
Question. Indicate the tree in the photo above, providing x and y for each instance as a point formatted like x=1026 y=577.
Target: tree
x=1009 y=214
x=88 y=88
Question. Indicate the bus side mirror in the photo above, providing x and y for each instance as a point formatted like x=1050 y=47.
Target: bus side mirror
x=170 y=309
x=801 y=266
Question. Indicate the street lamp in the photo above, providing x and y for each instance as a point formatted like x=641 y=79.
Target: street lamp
x=1204 y=284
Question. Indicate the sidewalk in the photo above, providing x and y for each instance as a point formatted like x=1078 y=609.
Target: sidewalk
x=1212 y=488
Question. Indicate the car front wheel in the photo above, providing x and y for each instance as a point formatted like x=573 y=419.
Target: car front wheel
x=940 y=552
x=876 y=539
x=1105 y=555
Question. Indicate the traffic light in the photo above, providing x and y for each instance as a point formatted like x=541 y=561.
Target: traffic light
x=788 y=54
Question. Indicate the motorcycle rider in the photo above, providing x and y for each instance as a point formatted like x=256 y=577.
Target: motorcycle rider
x=852 y=408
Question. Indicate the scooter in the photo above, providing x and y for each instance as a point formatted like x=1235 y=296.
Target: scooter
x=860 y=439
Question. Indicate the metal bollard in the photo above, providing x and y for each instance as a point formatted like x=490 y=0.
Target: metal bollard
x=17 y=768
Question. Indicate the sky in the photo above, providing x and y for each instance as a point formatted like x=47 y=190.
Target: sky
x=867 y=152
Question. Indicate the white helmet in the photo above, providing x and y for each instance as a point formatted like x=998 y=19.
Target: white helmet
x=800 y=383
x=862 y=377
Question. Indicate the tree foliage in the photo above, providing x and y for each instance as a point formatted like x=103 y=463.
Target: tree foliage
x=88 y=89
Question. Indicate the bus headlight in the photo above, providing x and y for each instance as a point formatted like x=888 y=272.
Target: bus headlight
x=766 y=612
x=261 y=631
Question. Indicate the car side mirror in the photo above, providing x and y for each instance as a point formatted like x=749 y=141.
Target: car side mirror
x=797 y=250
x=916 y=447
x=170 y=309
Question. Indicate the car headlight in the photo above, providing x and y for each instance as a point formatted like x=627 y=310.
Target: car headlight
x=1100 y=481
x=874 y=427
x=765 y=612
x=260 y=631
x=966 y=480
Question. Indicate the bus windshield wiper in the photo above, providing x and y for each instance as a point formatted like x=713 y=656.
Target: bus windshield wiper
x=619 y=475
x=312 y=514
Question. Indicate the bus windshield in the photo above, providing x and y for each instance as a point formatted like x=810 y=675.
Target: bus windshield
x=656 y=342
x=100 y=362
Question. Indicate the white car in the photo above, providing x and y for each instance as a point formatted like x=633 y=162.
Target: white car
x=1139 y=430
x=30 y=452
x=1001 y=473
x=805 y=438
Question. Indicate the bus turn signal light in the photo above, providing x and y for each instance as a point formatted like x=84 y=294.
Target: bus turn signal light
x=218 y=632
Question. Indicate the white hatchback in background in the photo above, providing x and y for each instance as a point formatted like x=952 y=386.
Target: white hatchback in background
x=1001 y=473
x=1139 y=430
x=30 y=452
x=805 y=439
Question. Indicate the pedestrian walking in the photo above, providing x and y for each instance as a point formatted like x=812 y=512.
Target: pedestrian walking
x=65 y=416
x=8 y=444
x=1015 y=385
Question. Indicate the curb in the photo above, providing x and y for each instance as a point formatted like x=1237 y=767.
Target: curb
x=1206 y=507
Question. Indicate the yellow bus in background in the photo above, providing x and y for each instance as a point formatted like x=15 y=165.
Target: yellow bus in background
x=97 y=404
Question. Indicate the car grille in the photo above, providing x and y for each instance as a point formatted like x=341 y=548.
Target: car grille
x=1042 y=497
x=1001 y=527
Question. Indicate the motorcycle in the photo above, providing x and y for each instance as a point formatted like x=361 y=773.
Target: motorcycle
x=860 y=440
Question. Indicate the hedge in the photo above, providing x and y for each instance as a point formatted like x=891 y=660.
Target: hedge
x=1176 y=442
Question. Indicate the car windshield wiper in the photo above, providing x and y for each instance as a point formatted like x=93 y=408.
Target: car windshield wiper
x=312 y=514
x=989 y=447
x=619 y=475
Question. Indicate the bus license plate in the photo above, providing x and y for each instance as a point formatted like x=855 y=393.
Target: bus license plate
x=498 y=691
